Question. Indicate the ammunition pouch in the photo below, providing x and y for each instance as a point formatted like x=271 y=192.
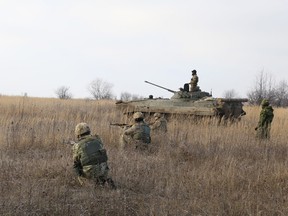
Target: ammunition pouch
x=102 y=157
x=97 y=158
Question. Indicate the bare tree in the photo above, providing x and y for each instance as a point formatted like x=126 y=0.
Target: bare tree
x=63 y=92
x=100 y=89
x=136 y=97
x=126 y=96
x=230 y=94
x=264 y=87
x=281 y=96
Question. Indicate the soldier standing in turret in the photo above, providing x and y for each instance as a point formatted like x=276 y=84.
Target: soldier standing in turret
x=194 y=81
x=266 y=117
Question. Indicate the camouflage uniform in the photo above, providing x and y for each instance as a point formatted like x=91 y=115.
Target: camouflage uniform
x=160 y=124
x=138 y=134
x=90 y=157
x=266 y=117
x=194 y=81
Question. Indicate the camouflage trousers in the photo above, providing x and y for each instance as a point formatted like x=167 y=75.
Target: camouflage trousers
x=263 y=132
x=128 y=142
x=98 y=173
x=194 y=88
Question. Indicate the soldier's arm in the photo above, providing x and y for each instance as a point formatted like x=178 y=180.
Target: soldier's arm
x=77 y=166
x=155 y=125
x=194 y=80
x=263 y=117
x=130 y=130
x=191 y=81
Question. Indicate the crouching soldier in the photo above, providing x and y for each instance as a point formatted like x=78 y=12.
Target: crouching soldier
x=160 y=124
x=90 y=157
x=138 y=134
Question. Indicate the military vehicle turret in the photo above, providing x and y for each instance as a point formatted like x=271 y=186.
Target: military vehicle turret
x=183 y=102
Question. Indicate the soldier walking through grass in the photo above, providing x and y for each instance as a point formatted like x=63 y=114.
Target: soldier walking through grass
x=266 y=117
x=90 y=157
x=138 y=134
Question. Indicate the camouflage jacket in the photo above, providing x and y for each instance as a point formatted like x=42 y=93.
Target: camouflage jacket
x=139 y=131
x=88 y=154
x=266 y=116
x=160 y=125
x=194 y=80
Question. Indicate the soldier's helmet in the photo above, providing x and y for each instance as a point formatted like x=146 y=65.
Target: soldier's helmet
x=265 y=103
x=137 y=115
x=194 y=72
x=81 y=128
x=157 y=115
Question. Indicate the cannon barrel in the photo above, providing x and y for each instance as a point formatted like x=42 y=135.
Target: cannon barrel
x=160 y=86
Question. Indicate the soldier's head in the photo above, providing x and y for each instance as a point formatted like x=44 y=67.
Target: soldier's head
x=82 y=129
x=265 y=103
x=138 y=116
x=194 y=72
x=157 y=115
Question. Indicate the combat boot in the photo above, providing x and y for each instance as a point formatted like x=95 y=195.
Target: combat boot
x=100 y=181
x=111 y=184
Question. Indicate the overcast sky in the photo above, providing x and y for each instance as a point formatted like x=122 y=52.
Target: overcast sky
x=45 y=44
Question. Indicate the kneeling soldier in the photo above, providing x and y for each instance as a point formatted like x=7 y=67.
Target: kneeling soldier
x=90 y=157
x=160 y=124
x=138 y=134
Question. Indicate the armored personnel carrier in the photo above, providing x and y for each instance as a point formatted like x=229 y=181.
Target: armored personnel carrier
x=183 y=102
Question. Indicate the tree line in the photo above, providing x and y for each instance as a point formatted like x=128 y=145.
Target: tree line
x=263 y=87
x=99 y=90
x=266 y=87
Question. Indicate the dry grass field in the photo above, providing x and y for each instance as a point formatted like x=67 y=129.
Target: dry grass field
x=197 y=169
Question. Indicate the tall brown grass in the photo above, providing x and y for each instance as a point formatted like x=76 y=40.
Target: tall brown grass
x=196 y=169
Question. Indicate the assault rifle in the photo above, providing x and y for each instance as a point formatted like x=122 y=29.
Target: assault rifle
x=122 y=125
